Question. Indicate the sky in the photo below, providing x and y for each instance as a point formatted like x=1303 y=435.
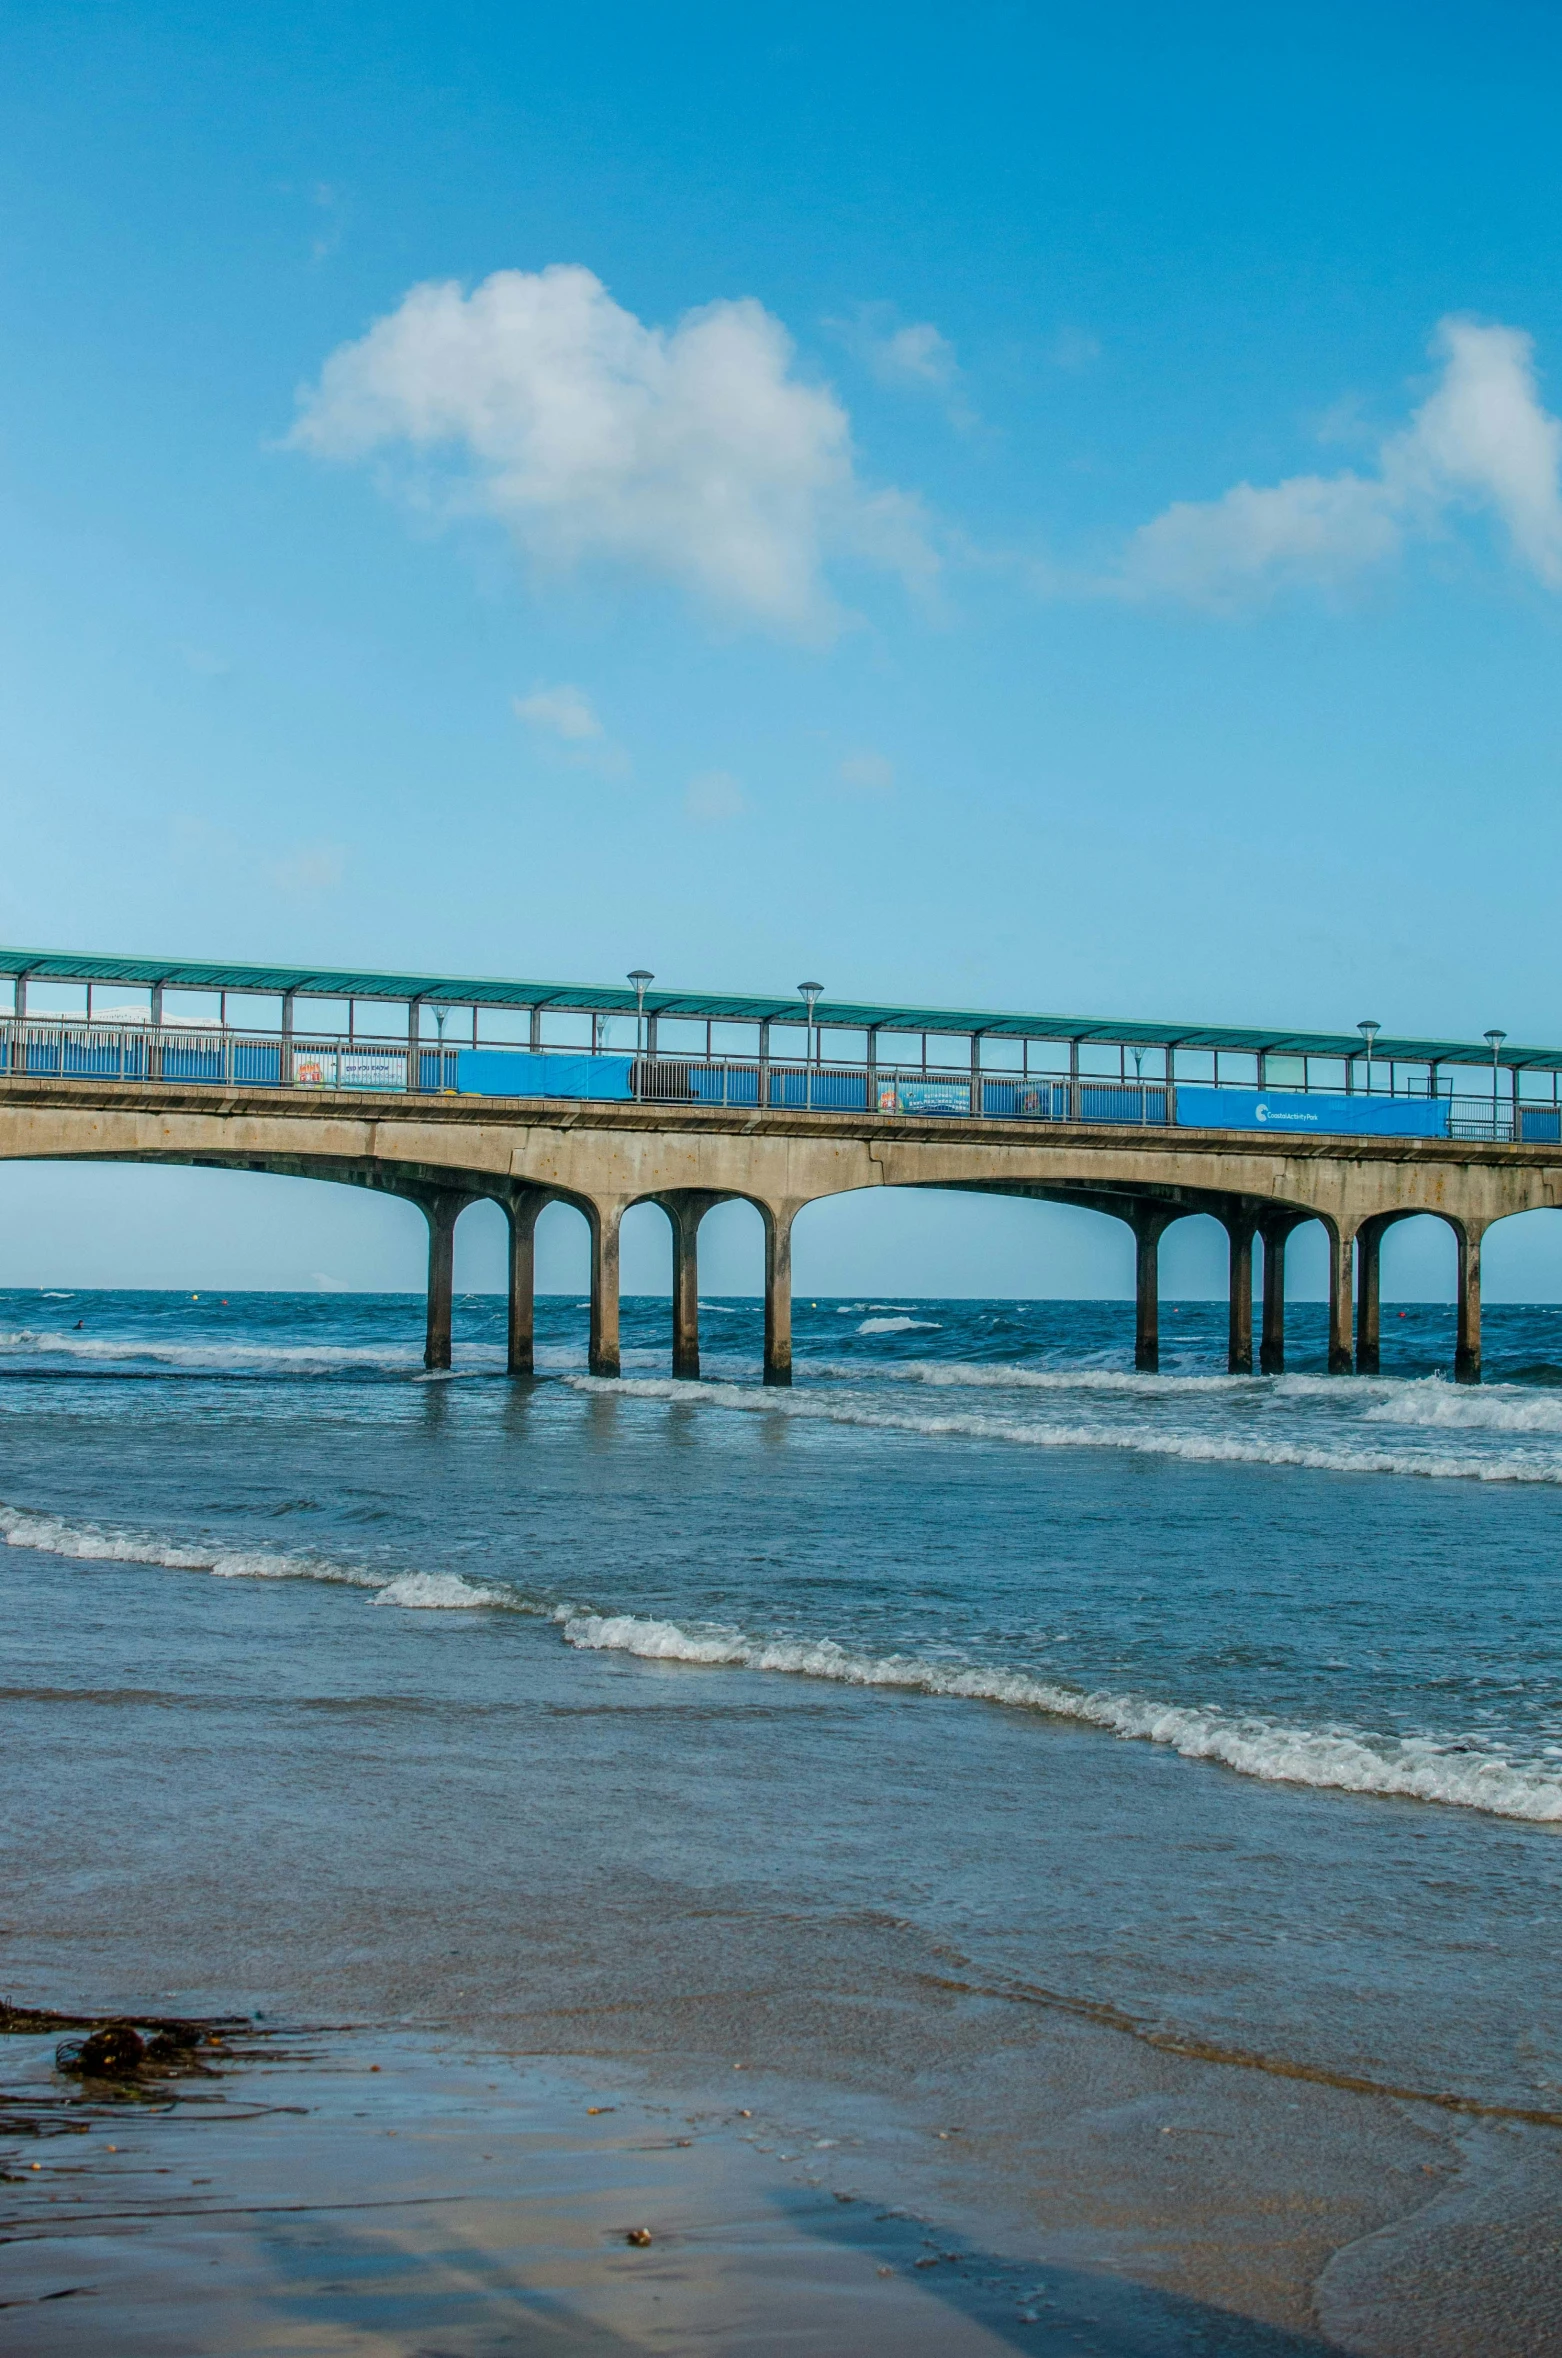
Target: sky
x=1016 y=506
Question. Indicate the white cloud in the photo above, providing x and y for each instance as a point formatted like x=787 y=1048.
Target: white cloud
x=694 y=453
x=916 y=355
x=562 y=711
x=1481 y=441
x=873 y=773
x=917 y=358
x=713 y=796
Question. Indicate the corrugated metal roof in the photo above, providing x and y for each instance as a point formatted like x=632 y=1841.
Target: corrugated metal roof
x=194 y=974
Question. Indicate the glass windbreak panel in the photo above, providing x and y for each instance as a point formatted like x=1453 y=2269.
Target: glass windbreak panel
x=1195 y=1064
x=839 y=1046
x=678 y=1035
x=49 y=1002
x=617 y=1032
x=329 y=1016
x=1045 y=1056
x=116 y=1003
x=1001 y=1056
x=788 y=1042
x=497 y=1027
x=196 y=1011
x=900 y=1048
x=1238 y=1069
x=1286 y=1072
x=254 y=1011
x=1325 y=1072
x=1100 y=1060
x=563 y=1028
x=735 y=1039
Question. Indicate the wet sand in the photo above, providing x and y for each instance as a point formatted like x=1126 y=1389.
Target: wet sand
x=370 y=2191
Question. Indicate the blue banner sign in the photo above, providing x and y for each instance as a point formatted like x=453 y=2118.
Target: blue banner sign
x=925 y=1097
x=1285 y=1112
x=515 y=1072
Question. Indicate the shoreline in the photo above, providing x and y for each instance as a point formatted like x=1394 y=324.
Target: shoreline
x=411 y=2181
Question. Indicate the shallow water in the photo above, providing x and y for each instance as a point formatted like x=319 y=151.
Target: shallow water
x=1233 y=1703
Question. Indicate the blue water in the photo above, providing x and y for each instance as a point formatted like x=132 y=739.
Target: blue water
x=1236 y=1702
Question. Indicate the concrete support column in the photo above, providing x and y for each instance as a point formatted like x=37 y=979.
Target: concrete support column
x=1240 y=1230
x=521 y=1211
x=1149 y=1225
x=686 y=1209
x=1342 y=1272
x=778 y=1291
x=1369 y=1251
x=606 y=1218
x=1467 y=1346
x=442 y=1211
x=1271 y=1348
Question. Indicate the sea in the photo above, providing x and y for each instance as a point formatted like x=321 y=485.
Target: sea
x=1225 y=1709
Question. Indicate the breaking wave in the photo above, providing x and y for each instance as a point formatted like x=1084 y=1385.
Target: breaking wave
x=89 y=1543
x=1338 y=1455
x=1337 y=1759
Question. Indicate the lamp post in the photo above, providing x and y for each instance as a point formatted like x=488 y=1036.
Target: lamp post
x=1494 y=1041
x=812 y=992
x=1369 y=1032
x=640 y=977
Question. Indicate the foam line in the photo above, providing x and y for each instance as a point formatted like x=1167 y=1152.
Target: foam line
x=1337 y=1759
x=1205 y=1448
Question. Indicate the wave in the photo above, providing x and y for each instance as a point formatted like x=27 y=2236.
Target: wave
x=1338 y=1759
x=1004 y=1376
x=440 y=1592
x=51 y=1535
x=1206 y=1448
x=1443 y=1407
x=217 y=1350
x=894 y=1326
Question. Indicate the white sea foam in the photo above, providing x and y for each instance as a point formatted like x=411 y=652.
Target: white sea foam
x=894 y=1326
x=215 y=1351
x=51 y=1535
x=1338 y=1456
x=1341 y=1759
x=1003 y=1376
x=441 y=1592
x=1508 y=1408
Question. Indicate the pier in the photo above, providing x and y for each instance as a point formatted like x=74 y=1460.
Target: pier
x=451 y=1091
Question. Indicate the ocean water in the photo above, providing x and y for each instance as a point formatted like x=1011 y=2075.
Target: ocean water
x=1235 y=1704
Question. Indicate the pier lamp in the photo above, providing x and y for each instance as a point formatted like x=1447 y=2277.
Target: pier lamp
x=1369 y=1032
x=1494 y=1041
x=640 y=977
x=812 y=992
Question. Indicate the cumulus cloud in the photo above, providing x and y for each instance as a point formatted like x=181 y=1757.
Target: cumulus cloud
x=713 y=796
x=695 y=453
x=1480 y=443
x=562 y=712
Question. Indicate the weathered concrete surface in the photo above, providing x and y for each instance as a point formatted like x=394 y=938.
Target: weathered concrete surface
x=447 y=1152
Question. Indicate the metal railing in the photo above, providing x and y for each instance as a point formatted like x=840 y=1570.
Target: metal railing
x=180 y=1055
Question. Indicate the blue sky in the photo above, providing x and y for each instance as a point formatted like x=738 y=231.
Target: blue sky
x=1050 y=507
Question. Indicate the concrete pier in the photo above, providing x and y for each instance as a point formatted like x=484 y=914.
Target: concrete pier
x=446 y=1152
